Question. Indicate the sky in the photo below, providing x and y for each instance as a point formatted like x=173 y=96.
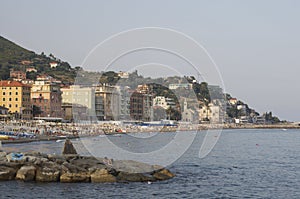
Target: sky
x=255 y=44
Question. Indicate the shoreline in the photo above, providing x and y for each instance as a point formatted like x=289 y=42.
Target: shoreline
x=45 y=138
x=200 y=128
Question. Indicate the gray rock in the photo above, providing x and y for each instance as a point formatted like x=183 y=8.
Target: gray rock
x=26 y=173
x=47 y=175
x=30 y=158
x=163 y=174
x=130 y=166
x=76 y=168
x=3 y=154
x=102 y=176
x=87 y=163
x=7 y=173
x=43 y=160
x=73 y=168
x=59 y=159
x=75 y=177
x=3 y=157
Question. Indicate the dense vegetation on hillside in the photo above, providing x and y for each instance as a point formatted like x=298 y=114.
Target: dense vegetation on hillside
x=13 y=56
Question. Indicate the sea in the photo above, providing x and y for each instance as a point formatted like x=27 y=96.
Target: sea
x=245 y=163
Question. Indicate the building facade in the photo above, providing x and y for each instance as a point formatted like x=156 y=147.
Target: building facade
x=17 y=75
x=141 y=104
x=188 y=115
x=212 y=113
x=176 y=86
x=107 y=102
x=124 y=102
x=46 y=95
x=164 y=102
x=84 y=96
x=16 y=97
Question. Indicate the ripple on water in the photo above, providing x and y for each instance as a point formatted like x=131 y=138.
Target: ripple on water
x=236 y=168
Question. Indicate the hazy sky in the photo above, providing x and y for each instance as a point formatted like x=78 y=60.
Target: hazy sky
x=255 y=44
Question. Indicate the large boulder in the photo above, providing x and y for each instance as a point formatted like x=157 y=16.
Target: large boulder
x=163 y=174
x=102 y=176
x=130 y=166
x=26 y=173
x=7 y=173
x=75 y=168
x=48 y=172
x=69 y=148
x=3 y=156
x=75 y=177
x=87 y=163
x=47 y=175
x=30 y=158
x=59 y=159
x=71 y=168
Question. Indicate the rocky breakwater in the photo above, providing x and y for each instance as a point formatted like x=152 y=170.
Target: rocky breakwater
x=71 y=167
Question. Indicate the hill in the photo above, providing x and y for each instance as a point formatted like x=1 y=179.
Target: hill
x=13 y=56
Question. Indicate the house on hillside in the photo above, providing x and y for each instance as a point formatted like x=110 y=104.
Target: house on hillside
x=31 y=69
x=17 y=75
x=53 y=64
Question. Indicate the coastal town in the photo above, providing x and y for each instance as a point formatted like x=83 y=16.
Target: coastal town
x=42 y=95
x=35 y=107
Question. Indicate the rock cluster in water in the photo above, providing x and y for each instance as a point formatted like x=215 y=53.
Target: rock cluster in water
x=35 y=166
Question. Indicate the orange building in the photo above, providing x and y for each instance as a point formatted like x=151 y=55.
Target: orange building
x=16 y=97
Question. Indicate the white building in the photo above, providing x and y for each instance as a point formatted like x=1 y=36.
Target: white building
x=212 y=113
x=53 y=64
x=164 y=102
x=176 y=86
x=84 y=96
x=124 y=102
x=123 y=75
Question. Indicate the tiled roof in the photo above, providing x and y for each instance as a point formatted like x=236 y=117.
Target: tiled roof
x=7 y=83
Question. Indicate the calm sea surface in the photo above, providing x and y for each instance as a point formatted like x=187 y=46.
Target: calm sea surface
x=243 y=164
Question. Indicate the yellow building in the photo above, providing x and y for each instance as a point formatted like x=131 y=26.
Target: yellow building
x=16 y=97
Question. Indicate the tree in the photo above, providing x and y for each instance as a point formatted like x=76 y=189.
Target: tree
x=173 y=114
x=31 y=75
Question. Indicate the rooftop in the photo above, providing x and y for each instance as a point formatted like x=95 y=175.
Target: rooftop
x=7 y=83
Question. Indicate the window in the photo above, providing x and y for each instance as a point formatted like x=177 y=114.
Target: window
x=17 y=93
x=16 y=105
x=9 y=93
x=3 y=99
x=9 y=106
x=9 y=99
x=3 y=93
x=16 y=99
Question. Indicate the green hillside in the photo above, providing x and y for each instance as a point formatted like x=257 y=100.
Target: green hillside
x=13 y=56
